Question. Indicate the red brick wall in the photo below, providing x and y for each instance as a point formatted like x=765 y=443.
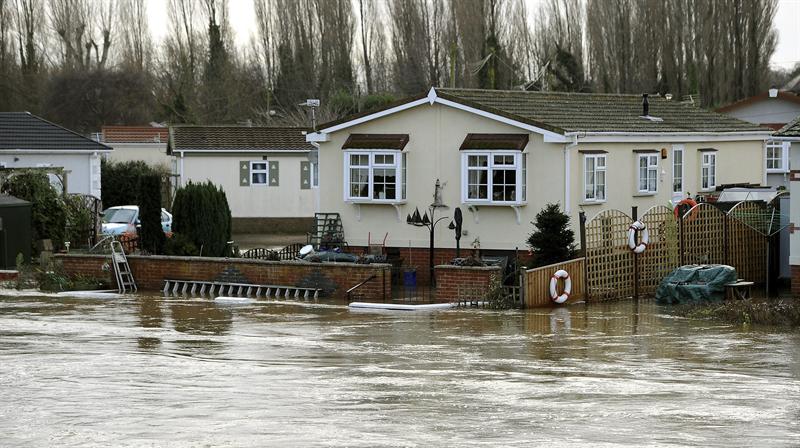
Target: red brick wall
x=417 y=257
x=8 y=276
x=450 y=278
x=796 y=281
x=151 y=271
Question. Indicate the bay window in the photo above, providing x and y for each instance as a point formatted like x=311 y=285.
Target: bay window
x=648 y=173
x=594 y=177
x=375 y=176
x=493 y=177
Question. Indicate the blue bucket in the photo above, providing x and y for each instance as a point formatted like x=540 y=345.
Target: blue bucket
x=410 y=278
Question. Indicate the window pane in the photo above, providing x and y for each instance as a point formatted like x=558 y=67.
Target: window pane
x=642 y=178
x=477 y=161
x=477 y=184
x=259 y=166
x=359 y=182
x=384 y=181
x=601 y=185
x=259 y=178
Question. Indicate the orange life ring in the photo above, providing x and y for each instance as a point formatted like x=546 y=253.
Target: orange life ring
x=684 y=206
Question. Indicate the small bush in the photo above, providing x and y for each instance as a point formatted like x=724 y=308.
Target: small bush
x=496 y=298
x=746 y=312
x=180 y=246
x=552 y=240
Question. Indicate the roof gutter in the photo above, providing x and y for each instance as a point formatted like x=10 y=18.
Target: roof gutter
x=241 y=151
x=673 y=137
x=55 y=151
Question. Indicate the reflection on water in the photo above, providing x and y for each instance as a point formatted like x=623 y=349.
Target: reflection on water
x=187 y=372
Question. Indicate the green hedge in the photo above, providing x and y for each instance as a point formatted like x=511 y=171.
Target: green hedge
x=151 y=235
x=120 y=181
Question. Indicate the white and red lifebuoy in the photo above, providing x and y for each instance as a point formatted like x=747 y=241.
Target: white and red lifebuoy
x=554 y=295
x=635 y=228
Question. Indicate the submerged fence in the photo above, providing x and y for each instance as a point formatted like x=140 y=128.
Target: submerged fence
x=610 y=270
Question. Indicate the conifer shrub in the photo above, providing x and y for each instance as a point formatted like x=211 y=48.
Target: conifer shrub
x=151 y=235
x=552 y=240
x=200 y=213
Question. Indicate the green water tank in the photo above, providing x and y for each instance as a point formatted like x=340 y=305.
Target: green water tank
x=15 y=231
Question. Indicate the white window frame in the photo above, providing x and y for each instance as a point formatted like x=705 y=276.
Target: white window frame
x=604 y=169
x=650 y=156
x=265 y=172
x=783 y=159
x=314 y=175
x=678 y=149
x=399 y=162
x=711 y=166
x=519 y=166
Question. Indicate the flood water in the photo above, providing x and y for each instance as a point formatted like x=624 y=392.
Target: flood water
x=152 y=371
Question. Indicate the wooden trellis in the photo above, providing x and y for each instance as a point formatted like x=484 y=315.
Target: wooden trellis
x=662 y=254
x=609 y=263
x=702 y=235
x=746 y=246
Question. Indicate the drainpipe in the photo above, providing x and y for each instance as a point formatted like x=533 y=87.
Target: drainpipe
x=181 y=170
x=567 y=177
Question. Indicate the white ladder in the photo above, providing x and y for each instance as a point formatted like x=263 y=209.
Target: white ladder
x=122 y=270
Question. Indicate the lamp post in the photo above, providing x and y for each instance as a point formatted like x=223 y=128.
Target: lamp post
x=430 y=222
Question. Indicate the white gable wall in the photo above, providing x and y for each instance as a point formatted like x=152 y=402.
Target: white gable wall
x=83 y=170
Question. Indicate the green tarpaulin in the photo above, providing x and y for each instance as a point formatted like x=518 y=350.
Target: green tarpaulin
x=695 y=284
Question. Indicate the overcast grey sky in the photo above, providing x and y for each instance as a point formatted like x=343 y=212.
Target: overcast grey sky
x=787 y=21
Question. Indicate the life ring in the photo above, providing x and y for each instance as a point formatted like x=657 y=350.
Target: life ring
x=684 y=206
x=635 y=228
x=554 y=284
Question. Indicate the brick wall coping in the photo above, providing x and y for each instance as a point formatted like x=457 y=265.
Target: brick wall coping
x=467 y=268
x=227 y=260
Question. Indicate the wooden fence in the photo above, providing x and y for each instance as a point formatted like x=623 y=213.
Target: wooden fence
x=703 y=235
x=536 y=282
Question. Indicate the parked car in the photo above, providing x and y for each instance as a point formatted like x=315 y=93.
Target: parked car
x=125 y=219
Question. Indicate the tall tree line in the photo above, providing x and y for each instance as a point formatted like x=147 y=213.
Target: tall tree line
x=85 y=63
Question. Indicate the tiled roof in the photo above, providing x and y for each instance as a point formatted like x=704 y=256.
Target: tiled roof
x=792 y=129
x=135 y=134
x=238 y=138
x=24 y=131
x=593 y=112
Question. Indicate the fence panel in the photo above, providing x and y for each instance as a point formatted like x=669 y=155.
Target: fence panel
x=747 y=247
x=702 y=232
x=662 y=253
x=609 y=264
x=537 y=282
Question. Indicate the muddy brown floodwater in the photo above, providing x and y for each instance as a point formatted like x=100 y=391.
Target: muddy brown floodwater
x=153 y=371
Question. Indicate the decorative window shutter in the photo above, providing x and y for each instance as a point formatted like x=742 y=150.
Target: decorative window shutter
x=305 y=175
x=244 y=173
x=273 y=174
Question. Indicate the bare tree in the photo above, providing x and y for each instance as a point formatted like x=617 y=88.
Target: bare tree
x=136 y=49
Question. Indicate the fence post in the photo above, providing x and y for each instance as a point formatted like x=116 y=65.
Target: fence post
x=635 y=215
x=725 y=241
x=680 y=237
x=582 y=234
